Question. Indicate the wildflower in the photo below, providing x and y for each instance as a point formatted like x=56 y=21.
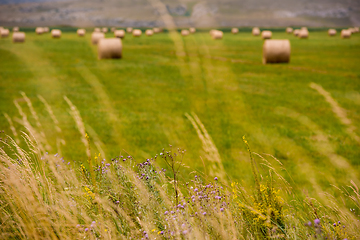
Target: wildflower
x=108 y=164
x=317 y=221
x=161 y=154
x=166 y=212
x=153 y=230
x=215 y=178
x=68 y=163
x=204 y=213
x=195 y=190
x=124 y=160
x=117 y=202
x=184 y=232
x=86 y=229
x=105 y=230
x=339 y=222
x=221 y=209
x=309 y=223
x=334 y=224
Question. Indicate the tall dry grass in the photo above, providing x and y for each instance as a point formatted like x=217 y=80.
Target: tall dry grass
x=43 y=196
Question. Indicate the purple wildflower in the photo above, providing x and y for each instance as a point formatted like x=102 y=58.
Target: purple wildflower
x=166 y=212
x=86 y=229
x=221 y=209
x=215 y=178
x=317 y=221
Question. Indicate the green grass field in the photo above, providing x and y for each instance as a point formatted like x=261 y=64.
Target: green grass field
x=137 y=105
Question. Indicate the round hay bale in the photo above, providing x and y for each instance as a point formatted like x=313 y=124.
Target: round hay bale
x=212 y=31
x=39 y=30
x=234 y=30
x=136 y=32
x=255 y=31
x=289 y=30
x=296 y=32
x=109 y=48
x=113 y=29
x=149 y=32
x=119 y=33
x=276 y=51
x=18 y=37
x=331 y=32
x=266 y=34
x=157 y=30
x=185 y=32
x=104 y=30
x=56 y=33
x=345 y=33
x=15 y=29
x=192 y=30
x=96 y=36
x=97 y=30
x=129 y=30
x=217 y=34
x=46 y=29
x=81 y=32
x=4 y=32
x=303 y=33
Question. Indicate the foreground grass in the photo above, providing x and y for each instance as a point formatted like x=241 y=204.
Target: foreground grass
x=139 y=103
x=43 y=196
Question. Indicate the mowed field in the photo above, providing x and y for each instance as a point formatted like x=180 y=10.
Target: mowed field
x=305 y=113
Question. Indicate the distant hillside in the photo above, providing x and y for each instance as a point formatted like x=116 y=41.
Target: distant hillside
x=209 y=13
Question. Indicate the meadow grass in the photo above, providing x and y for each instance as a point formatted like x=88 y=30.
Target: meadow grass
x=139 y=104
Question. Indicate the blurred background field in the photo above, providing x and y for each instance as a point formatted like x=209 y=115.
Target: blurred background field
x=137 y=105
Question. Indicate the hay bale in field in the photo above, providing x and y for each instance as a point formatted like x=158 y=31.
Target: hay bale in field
x=39 y=30
x=192 y=30
x=356 y=29
x=81 y=32
x=15 y=29
x=119 y=33
x=255 y=31
x=149 y=32
x=113 y=29
x=109 y=48
x=4 y=32
x=331 y=32
x=217 y=34
x=56 y=33
x=345 y=33
x=296 y=32
x=96 y=36
x=234 y=30
x=289 y=30
x=276 y=51
x=46 y=29
x=185 y=32
x=303 y=33
x=212 y=31
x=18 y=37
x=136 y=32
x=129 y=30
x=104 y=30
x=266 y=34
x=157 y=30
x=97 y=30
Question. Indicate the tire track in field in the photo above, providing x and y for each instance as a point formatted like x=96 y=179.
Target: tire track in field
x=339 y=111
x=321 y=144
x=103 y=98
x=213 y=75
